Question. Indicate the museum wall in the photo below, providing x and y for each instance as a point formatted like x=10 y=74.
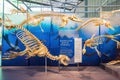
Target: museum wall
x=51 y=37
x=100 y=37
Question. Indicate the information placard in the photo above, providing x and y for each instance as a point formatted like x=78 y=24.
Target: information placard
x=77 y=50
x=67 y=47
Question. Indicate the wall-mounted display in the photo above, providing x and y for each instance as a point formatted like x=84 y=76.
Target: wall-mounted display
x=52 y=35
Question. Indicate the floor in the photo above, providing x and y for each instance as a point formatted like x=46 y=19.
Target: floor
x=66 y=73
x=113 y=69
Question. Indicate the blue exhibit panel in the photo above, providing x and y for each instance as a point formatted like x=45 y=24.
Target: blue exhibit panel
x=109 y=49
x=52 y=43
x=67 y=46
x=90 y=58
x=54 y=40
x=62 y=44
x=54 y=52
x=6 y=47
x=54 y=48
x=36 y=60
x=45 y=38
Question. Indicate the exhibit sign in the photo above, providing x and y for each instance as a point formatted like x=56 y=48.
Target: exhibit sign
x=77 y=50
x=67 y=47
x=67 y=43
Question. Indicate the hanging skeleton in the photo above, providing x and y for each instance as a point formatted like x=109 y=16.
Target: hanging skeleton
x=93 y=42
x=64 y=18
x=97 y=22
x=113 y=62
x=34 y=47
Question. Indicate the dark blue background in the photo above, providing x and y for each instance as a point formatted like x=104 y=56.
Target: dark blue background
x=51 y=38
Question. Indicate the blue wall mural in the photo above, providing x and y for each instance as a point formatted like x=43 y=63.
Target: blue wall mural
x=51 y=38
